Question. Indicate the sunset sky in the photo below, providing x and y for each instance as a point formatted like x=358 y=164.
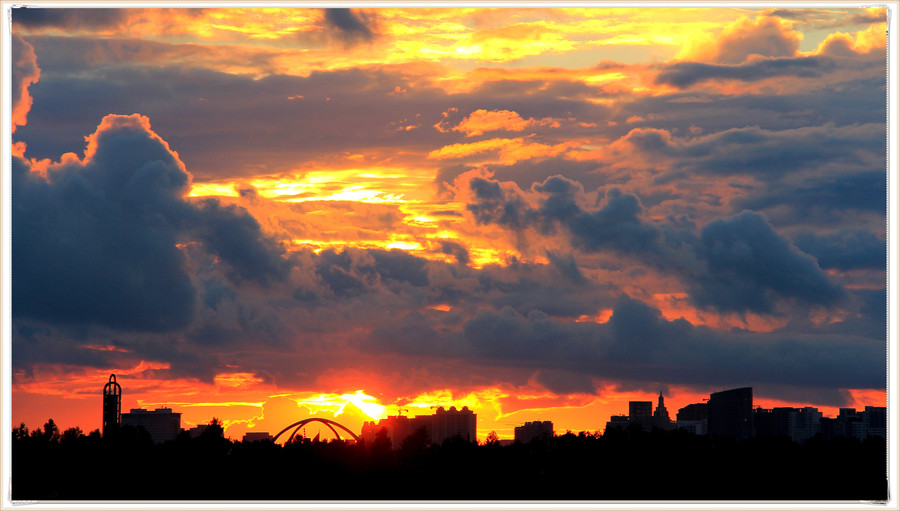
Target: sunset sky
x=541 y=214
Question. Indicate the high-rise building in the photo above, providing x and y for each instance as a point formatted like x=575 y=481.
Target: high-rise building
x=876 y=420
x=162 y=424
x=693 y=418
x=532 y=430
x=638 y=410
x=730 y=413
x=446 y=424
x=112 y=405
x=641 y=413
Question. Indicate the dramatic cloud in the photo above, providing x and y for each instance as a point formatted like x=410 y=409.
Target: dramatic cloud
x=96 y=240
x=527 y=211
x=739 y=264
x=745 y=38
x=747 y=264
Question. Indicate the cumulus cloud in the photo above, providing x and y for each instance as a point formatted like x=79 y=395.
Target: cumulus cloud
x=766 y=36
x=615 y=225
x=736 y=264
x=747 y=264
x=96 y=241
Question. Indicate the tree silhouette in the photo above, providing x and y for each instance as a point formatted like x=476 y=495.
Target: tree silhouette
x=72 y=434
x=51 y=431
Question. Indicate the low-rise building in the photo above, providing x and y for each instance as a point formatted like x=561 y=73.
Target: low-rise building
x=161 y=424
x=256 y=436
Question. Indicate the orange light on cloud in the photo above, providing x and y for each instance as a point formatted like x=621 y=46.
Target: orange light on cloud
x=510 y=150
x=481 y=120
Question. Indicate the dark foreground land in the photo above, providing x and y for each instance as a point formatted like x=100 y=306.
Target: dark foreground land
x=622 y=465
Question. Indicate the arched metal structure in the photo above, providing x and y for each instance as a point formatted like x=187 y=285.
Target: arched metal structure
x=299 y=424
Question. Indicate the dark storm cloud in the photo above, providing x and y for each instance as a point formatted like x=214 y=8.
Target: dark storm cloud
x=686 y=74
x=637 y=343
x=845 y=249
x=352 y=272
x=96 y=242
x=567 y=267
x=769 y=155
x=68 y=18
x=736 y=264
x=351 y=26
x=79 y=257
x=822 y=198
x=237 y=238
x=747 y=264
x=498 y=206
x=615 y=225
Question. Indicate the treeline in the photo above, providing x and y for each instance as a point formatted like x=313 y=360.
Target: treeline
x=621 y=465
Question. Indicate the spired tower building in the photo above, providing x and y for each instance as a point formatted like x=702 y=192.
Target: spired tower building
x=112 y=405
x=661 y=418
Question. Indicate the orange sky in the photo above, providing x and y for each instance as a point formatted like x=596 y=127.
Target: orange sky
x=541 y=214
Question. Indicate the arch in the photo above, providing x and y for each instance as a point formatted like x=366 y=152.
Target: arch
x=330 y=423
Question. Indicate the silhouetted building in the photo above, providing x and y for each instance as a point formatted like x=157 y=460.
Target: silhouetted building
x=256 y=436
x=197 y=430
x=112 y=404
x=532 y=430
x=446 y=424
x=397 y=428
x=641 y=413
x=807 y=424
x=200 y=429
x=730 y=413
x=162 y=424
x=876 y=421
x=777 y=422
x=661 y=418
x=639 y=410
x=693 y=418
x=850 y=423
x=617 y=421
x=443 y=425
